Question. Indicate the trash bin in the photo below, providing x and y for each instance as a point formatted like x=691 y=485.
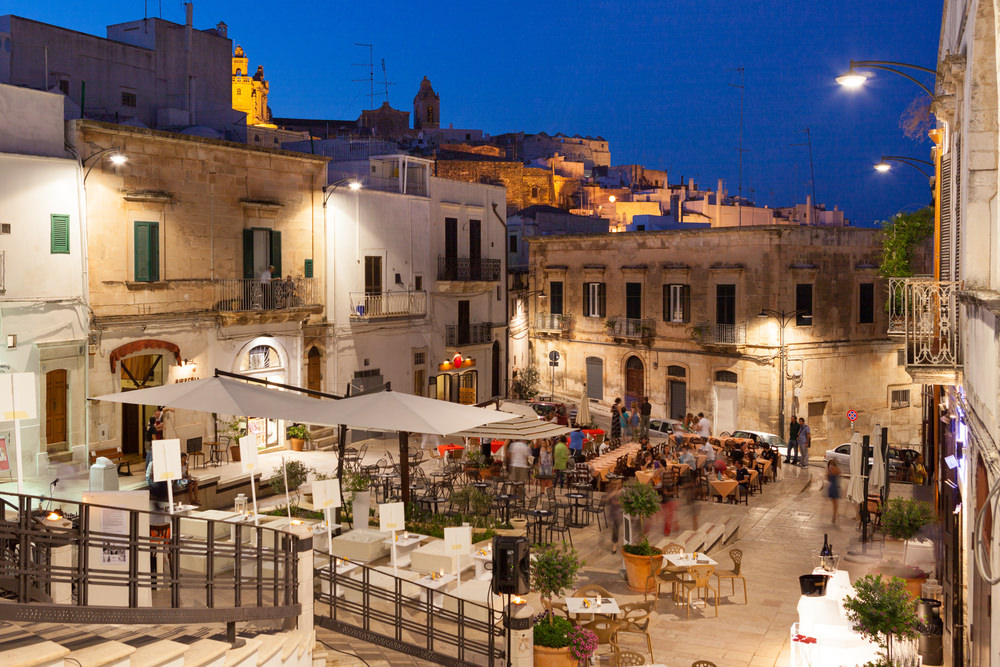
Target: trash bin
x=931 y=629
x=103 y=475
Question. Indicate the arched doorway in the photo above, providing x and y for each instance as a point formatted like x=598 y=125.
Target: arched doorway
x=314 y=371
x=495 y=370
x=264 y=358
x=635 y=384
x=139 y=372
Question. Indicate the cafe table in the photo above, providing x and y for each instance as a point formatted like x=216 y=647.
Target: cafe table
x=595 y=605
x=436 y=585
x=405 y=543
x=645 y=476
x=724 y=488
x=481 y=557
x=689 y=559
x=537 y=523
x=342 y=567
x=578 y=517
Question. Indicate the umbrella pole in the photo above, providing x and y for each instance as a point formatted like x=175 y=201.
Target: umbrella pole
x=864 y=501
x=288 y=501
x=404 y=471
x=341 y=445
x=884 y=444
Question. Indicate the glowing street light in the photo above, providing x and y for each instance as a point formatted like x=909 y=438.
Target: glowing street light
x=853 y=79
x=885 y=164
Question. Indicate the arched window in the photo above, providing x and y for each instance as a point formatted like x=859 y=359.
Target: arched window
x=676 y=371
x=260 y=357
x=725 y=376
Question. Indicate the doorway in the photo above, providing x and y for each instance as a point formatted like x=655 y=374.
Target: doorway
x=138 y=372
x=635 y=386
x=56 y=388
x=314 y=371
x=495 y=369
x=725 y=408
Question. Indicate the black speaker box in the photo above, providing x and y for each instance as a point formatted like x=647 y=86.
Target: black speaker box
x=511 y=565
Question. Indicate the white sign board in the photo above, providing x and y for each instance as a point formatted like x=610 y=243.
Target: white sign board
x=248 y=453
x=326 y=493
x=166 y=460
x=17 y=397
x=391 y=517
x=458 y=540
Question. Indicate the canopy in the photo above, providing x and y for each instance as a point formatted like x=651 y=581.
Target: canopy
x=516 y=427
x=583 y=414
x=856 y=486
x=218 y=394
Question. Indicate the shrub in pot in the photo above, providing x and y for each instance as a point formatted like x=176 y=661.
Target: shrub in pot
x=904 y=518
x=553 y=571
x=642 y=560
x=298 y=434
x=639 y=501
x=881 y=609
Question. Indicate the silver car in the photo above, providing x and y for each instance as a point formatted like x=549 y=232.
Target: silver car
x=900 y=460
x=664 y=428
x=762 y=438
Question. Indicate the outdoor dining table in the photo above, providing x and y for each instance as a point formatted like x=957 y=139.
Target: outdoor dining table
x=724 y=487
x=689 y=559
x=578 y=517
x=537 y=523
x=445 y=450
x=598 y=605
x=605 y=464
x=437 y=597
x=645 y=476
x=481 y=558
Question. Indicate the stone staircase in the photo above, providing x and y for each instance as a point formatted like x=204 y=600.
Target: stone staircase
x=323 y=438
x=708 y=535
x=59 y=452
x=59 y=645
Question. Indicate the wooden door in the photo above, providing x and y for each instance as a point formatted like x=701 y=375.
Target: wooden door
x=634 y=381
x=55 y=406
x=314 y=374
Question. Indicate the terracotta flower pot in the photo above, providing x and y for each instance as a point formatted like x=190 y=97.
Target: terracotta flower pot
x=638 y=570
x=297 y=444
x=554 y=657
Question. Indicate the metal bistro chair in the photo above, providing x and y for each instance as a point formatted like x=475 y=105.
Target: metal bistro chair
x=627 y=658
x=596 y=507
x=605 y=631
x=560 y=524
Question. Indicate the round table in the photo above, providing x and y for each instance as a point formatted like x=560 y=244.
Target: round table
x=576 y=510
x=537 y=523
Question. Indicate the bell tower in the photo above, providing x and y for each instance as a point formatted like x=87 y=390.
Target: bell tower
x=426 y=107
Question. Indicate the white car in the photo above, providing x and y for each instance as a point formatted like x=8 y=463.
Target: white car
x=664 y=428
x=900 y=460
x=763 y=438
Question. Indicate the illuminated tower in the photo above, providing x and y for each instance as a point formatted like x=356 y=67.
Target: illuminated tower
x=426 y=107
x=250 y=93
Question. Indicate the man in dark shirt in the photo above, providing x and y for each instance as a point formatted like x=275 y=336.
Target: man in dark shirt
x=645 y=410
x=742 y=476
x=793 y=444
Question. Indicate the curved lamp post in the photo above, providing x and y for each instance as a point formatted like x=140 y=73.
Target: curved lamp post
x=782 y=318
x=114 y=154
x=884 y=164
x=853 y=79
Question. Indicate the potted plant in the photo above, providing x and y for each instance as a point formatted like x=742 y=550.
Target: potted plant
x=882 y=610
x=296 y=472
x=234 y=428
x=903 y=518
x=298 y=434
x=553 y=571
x=911 y=576
x=639 y=502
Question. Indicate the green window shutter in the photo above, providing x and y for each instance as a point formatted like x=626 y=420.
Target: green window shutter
x=147 y=251
x=60 y=234
x=276 y=252
x=248 y=254
x=307 y=270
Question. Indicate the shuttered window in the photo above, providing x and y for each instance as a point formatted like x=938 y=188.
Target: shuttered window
x=147 y=251
x=60 y=234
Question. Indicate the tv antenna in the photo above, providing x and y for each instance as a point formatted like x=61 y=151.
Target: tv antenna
x=371 y=74
x=385 y=81
x=812 y=171
x=740 y=149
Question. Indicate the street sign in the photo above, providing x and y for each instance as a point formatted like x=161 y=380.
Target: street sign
x=852 y=415
x=553 y=363
x=553 y=355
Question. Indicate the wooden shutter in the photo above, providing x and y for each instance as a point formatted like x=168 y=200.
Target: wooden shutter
x=686 y=301
x=602 y=298
x=276 y=252
x=60 y=234
x=248 y=254
x=147 y=251
x=944 y=250
x=307 y=269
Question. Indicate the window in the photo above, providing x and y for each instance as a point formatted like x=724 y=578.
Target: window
x=595 y=378
x=556 y=297
x=725 y=376
x=594 y=297
x=64 y=86
x=633 y=301
x=534 y=192
x=512 y=243
x=900 y=398
x=261 y=248
x=419 y=358
x=147 y=251
x=418 y=283
x=804 y=304
x=128 y=99
x=866 y=303
x=60 y=234
x=676 y=303
x=725 y=304
x=676 y=371
x=373 y=274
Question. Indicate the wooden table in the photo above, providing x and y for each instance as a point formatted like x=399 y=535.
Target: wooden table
x=689 y=559
x=724 y=488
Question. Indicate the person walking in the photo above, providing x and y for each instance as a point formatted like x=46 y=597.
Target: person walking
x=793 y=442
x=616 y=422
x=645 y=411
x=545 y=459
x=560 y=456
x=613 y=511
x=833 y=486
x=704 y=426
x=517 y=461
x=804 y=440
x=633 y=422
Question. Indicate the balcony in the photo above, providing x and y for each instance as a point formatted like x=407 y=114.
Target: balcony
x=387 y=305
x=552 y=323
x=930 y=328
x=480 y=333
x=897 y=314
x=249 y=295
x=630 y=328
x=715 y=334
x=466 y=269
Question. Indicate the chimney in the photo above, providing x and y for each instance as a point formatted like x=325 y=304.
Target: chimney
x=810 y=211
x=189 y=13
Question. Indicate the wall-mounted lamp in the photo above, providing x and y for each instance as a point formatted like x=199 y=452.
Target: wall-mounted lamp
x=115 y=156
x=11 y=341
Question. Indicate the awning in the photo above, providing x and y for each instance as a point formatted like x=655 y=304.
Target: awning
x=516 y=427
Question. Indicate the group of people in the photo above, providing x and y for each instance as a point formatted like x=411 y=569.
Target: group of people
x=158 y=490
x=799 y=439
x=633 y=422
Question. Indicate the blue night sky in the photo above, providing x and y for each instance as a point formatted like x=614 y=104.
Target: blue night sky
x=652 y=77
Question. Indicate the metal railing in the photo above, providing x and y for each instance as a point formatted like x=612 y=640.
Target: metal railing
x=474 y=334
x=931 y=323
x=709 y=333
x=627 y=327
x=245 y=294
x=467 y=269
x=375 y=606
x=388 y=304
x=552 y=322
x=416 y=186
x=99 y=565
x=895 y=305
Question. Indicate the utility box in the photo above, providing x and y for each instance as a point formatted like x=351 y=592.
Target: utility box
x=103 y=475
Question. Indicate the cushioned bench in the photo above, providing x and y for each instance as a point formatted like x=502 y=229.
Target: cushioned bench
x=361 y=544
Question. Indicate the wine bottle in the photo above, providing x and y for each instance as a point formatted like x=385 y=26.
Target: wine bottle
x=826 y=550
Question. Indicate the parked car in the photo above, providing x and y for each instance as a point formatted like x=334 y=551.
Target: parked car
x=764 y=438
x=544 y=408
x=664 y=428
x=900 y=460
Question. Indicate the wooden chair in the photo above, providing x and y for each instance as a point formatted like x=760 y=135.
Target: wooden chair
x=734 y=573
x=700 y=575
x=559 y=609
x=665 y=575
x=635 y=619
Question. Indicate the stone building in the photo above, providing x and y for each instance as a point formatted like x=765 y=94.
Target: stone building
x=526 y=186
x=674 y=315
x=250 y=92
x=426 y=107
x=179 y=239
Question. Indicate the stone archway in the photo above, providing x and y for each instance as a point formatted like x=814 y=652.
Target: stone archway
x=635 y=380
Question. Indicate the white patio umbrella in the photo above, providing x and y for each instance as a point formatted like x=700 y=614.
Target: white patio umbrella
x=518 y=427
x=856 y=485
x=583 y=414
x=876 y=480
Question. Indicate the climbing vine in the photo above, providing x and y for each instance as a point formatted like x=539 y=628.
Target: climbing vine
x=899 y=237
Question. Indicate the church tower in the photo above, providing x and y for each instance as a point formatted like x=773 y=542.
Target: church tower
x=426 y=107
x=250 y=92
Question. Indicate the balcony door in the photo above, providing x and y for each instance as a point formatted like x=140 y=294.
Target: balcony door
x=373 y=284
x=450 y=248
x=56 y=386
x=475 y=249
x=464 y=324
x=635 y=386
x=261 y=248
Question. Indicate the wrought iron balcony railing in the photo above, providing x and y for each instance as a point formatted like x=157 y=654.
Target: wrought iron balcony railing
x=627 y=327
x=551 y=322
x=366 y=306
x=474 y=334
x=930 y=310
x=468 y=269
x=709 y=333
x=894 y=306
x=249 y=294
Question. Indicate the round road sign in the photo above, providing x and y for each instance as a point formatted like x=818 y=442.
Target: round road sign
x=553 y=355
x=852 y=415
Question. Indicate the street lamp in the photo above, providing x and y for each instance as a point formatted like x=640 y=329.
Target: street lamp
x=782 y=318
x=853 y=79
x=115 y=156
x=352 y=183
x=884 y=164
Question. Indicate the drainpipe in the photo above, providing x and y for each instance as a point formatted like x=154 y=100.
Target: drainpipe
x=188 y=37
x=506 y=301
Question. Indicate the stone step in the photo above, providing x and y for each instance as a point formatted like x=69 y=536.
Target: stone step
x=103 y=654
x=206 y=653
x=60 y=457
x=164 y=653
